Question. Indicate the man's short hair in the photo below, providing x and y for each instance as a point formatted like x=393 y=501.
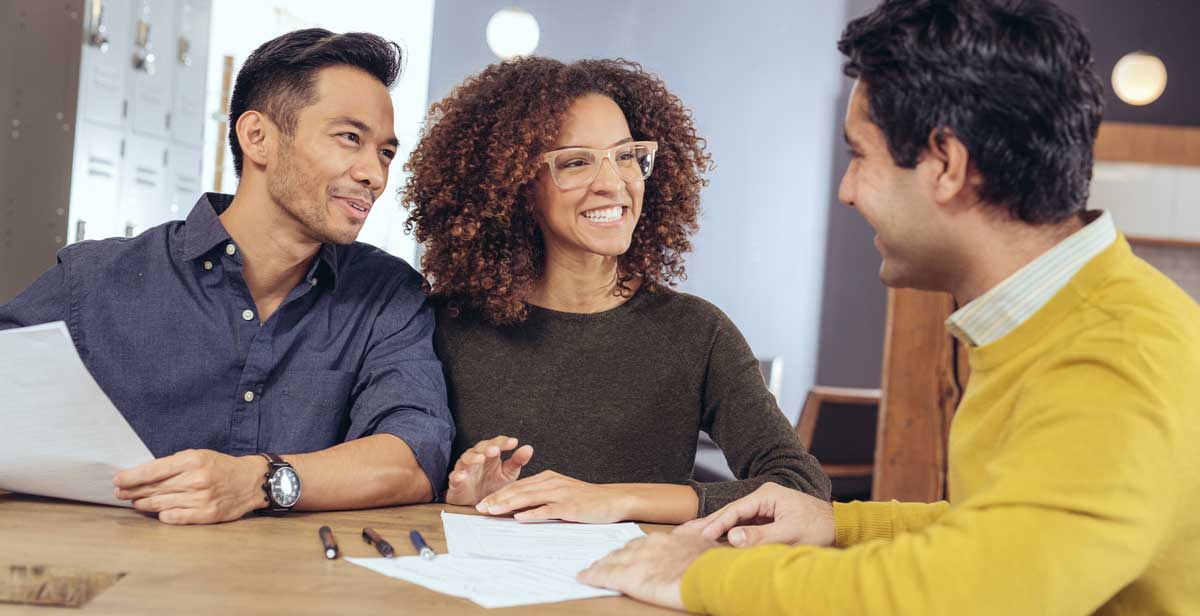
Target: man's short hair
x=279 y=78
x=1013 y=80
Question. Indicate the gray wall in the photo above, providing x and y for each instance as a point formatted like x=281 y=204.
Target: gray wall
x=763 y=80
x=1165 y=28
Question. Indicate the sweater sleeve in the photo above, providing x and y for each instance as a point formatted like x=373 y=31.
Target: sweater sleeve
x=743 y=418
x=859 y=522
x=1080 y=503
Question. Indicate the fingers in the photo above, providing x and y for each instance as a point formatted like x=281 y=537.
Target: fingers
x=731 y=515
x=153 y=471
x=513 y=465
x=497 y=504
x=162 y=502
x=507 y=498
x=775 y=532
x=545 y=512
x=169 y=486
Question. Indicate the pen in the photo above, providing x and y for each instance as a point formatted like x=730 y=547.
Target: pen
x=419 y=543
x=373 y=538
x=327 y=540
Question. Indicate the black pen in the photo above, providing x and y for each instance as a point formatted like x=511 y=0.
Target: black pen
x=419 y=543
x=373 y=538
x=331 y=549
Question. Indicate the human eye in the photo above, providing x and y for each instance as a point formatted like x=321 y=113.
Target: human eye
x=351 y=137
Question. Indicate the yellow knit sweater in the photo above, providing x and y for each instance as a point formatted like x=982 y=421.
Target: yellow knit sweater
x=1074 y=479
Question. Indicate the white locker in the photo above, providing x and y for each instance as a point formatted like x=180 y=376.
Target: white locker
x=183 y=183
x=189 y=58
x=96 y=184
x=106 y=51
x=152 y=67
x=143 y=202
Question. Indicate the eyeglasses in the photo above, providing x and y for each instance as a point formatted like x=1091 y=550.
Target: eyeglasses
x=578 y=167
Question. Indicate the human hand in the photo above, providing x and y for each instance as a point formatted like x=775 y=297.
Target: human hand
x=480 y=471
x=649 y=568
x=195 y=486
x=770 y=514
x=551 y=496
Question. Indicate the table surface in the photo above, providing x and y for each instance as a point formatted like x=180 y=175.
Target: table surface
x=254 y=565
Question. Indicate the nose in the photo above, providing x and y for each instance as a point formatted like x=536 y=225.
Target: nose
x=845 y=192
x=607 y=179
x=369 y=172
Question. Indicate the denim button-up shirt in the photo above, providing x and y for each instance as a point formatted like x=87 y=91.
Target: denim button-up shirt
x=166 y=325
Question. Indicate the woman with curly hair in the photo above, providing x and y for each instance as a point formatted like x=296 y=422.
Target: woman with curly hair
x=555 y=202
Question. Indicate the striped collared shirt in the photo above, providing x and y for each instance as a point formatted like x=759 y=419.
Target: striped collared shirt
x=1005 y=306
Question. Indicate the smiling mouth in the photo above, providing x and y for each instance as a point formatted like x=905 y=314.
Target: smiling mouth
x=610 y=213
x=356 y=204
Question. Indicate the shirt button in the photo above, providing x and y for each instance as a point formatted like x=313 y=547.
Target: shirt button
x=313 y=282
x=230 y=249
x=208 y=265
x=247 y=314
x=248 y=396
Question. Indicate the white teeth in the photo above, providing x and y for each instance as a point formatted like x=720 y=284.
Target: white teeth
x=607 y=214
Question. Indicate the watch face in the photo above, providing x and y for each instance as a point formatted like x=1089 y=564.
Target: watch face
x=285 y=487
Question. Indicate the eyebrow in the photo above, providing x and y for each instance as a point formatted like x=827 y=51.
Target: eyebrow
x=625 y=140
x=363 y=127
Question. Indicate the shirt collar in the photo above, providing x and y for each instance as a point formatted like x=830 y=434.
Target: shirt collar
x=203 y=231
x=1007 y=305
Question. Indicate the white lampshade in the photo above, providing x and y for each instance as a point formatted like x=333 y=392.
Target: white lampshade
x=1139 y=78
x=512 y=32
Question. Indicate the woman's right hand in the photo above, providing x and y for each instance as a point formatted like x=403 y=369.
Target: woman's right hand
x=480 y=471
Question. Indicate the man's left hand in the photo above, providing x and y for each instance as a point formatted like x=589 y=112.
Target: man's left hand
x=649 y=568
x=196 y=486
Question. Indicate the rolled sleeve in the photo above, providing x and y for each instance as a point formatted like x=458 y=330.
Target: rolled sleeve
x=401 y=389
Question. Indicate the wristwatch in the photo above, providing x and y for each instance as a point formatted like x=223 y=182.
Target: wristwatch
x=282 y=485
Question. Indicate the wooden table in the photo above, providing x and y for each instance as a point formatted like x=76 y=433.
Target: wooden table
x=255 y=565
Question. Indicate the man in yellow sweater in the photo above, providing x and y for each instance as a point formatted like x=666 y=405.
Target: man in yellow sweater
x=1074 y=470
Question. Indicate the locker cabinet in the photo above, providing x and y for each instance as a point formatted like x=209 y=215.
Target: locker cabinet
x=105 y=122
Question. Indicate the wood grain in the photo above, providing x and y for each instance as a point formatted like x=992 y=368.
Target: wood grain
x=1148 y=143
x=254 y=565
x=919 y=396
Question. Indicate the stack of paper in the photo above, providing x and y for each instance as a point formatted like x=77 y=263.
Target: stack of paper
x=500 y=562
x=59 y=434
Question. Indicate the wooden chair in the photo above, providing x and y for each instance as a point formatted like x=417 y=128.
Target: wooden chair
x=838 y=426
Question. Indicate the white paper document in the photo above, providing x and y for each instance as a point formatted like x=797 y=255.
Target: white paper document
x=476 y=536
x=60 y=435
x=489 y=582
x=500 y=562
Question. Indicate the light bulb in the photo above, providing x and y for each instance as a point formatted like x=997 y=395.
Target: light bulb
x=512 y=32
x=1139 y=78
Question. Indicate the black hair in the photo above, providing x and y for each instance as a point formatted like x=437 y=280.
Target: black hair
x=279 y=78
x=1013 y=80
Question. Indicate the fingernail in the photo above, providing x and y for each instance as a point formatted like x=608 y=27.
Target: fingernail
x=737 y=536
x=481 y=507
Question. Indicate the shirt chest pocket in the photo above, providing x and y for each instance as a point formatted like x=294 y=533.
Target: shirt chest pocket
x=312 y=407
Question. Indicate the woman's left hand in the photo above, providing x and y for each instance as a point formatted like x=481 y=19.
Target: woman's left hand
x=551 y=496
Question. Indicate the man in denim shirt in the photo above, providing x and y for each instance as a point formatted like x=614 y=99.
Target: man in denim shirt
x=258 y=325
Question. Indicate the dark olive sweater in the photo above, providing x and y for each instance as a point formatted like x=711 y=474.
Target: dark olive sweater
x=621 y=396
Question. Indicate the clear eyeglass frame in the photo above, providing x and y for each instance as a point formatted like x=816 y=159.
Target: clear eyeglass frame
x=635 y=168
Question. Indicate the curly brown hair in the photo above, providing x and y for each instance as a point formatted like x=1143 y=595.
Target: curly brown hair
x=470 y=191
